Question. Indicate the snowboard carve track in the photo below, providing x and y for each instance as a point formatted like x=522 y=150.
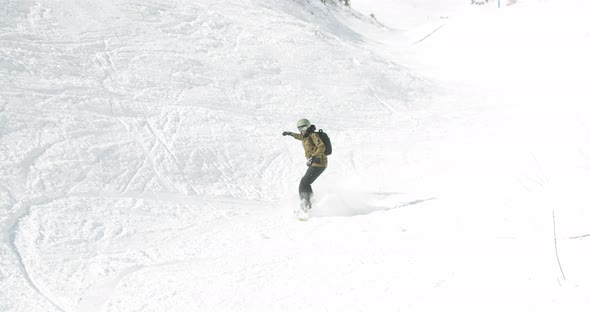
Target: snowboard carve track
x=11 y=235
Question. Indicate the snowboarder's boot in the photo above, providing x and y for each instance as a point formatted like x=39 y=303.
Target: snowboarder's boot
x=305 y=202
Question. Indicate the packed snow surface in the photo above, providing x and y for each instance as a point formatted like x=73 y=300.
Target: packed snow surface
x=142 y=166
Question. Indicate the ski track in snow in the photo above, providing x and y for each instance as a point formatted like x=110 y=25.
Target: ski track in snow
x=11 y=230
x=142 y=167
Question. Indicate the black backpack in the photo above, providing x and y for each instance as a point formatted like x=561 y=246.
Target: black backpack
x=326 y=140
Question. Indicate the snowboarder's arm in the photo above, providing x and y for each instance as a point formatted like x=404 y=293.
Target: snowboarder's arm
x=297 y=136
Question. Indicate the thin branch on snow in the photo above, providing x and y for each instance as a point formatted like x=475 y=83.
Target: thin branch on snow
x=555 y=242
x=580 y=237
x=430 y=34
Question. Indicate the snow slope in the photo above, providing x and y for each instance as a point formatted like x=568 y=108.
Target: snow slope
x=142 y=167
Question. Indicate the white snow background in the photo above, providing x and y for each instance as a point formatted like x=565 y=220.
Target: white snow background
x=142 y=166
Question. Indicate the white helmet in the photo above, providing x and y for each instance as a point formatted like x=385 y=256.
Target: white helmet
x=303 y=123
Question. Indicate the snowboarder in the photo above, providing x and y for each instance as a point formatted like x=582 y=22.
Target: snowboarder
x=317 y=161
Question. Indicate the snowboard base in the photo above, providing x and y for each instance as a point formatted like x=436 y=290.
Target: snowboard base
x=302 y=215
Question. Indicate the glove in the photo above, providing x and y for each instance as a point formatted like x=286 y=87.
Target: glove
x=313 y=160
x=287 y=133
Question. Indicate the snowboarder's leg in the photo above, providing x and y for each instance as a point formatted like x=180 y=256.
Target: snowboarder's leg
x=305 y=190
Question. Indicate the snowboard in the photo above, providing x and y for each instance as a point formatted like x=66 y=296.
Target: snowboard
x=302 y=213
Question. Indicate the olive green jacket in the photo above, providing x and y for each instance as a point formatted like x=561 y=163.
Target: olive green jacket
x=313 y=146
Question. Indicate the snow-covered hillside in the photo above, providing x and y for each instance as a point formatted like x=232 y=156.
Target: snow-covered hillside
x=142 y=166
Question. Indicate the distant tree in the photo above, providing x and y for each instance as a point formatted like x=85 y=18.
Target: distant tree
x=346 y=2
x=373 y=16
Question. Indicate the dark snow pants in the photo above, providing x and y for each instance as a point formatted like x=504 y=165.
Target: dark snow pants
x=310 y=176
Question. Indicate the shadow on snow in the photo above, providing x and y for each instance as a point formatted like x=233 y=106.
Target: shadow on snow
x=354 y=205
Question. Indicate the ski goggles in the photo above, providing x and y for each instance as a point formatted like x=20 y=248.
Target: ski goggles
x=303 y=128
